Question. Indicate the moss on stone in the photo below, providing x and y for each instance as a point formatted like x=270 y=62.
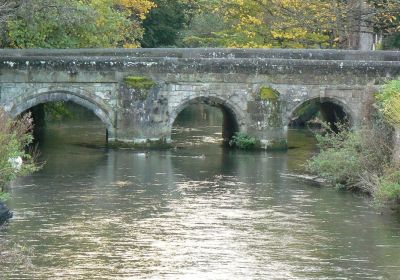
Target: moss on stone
x=138 y=82
x=267 y=93
x=273 y=107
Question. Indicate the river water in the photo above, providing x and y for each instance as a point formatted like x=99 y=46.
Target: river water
x=195 y=212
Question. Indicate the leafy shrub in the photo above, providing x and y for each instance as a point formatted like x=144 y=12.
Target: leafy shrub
x=4 y=196
x=15 y=137
x=389 y=101
x=353 y=159
x=339 y=159
x=389 y=186
x=243 y=141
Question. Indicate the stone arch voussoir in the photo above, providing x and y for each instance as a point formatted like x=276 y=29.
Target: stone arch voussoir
x=78 y=96
x=338 y=101
x=237 y=113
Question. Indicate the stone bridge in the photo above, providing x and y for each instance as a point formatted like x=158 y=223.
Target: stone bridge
x=138 y=93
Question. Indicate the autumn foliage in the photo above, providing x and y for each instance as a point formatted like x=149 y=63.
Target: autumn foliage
x=345 y=24
x=296 y=23
x=76 y=23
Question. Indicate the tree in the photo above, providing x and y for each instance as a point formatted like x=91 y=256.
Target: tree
x=346 y=24
x=204 y=30
x=7 y=9
x=164 y=23
x=391 y=42
x=77 y=23
x=358 y=21
x=265 y=23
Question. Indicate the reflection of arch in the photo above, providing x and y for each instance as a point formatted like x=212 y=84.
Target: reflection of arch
x=321 y=100
x=234 y=118
x=63 y=95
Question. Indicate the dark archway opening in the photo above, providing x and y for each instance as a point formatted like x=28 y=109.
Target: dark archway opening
x=315 y=112
x=204 y=122
x=65 y=123
x=309 y=118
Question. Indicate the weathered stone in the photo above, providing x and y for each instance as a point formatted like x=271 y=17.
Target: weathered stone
x=139 y=93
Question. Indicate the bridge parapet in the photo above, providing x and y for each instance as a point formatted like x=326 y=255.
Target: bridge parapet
x=211 y=53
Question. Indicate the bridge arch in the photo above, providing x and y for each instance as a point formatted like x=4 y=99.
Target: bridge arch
x=78 y=97
x=234 y=116
x=333 y=105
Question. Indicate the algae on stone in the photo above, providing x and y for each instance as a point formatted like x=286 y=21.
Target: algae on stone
x=269 y=94
x=271 y=108
x=140 y=86
x=138 y=82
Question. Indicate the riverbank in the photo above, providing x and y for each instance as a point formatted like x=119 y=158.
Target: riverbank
x=360 y=160
x=15 y=160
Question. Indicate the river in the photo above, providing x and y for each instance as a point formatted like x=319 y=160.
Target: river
x=196 y=212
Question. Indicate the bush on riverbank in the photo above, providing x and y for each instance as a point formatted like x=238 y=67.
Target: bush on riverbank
x=389 y=102
x=389 y=185
x=353 y=159
x=15 y=137
x=243 y=141
x=362 y=159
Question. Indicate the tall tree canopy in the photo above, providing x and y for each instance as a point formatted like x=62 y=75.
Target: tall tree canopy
x=294 y=23
x=348 y=24
x=77 y=23
x=164 y=23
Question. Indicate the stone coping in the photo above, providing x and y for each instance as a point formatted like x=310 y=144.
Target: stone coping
x=205 y=53
x=174 y=65
x=192 y=61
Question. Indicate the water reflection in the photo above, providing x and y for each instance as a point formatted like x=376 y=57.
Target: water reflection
x=200 y=212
